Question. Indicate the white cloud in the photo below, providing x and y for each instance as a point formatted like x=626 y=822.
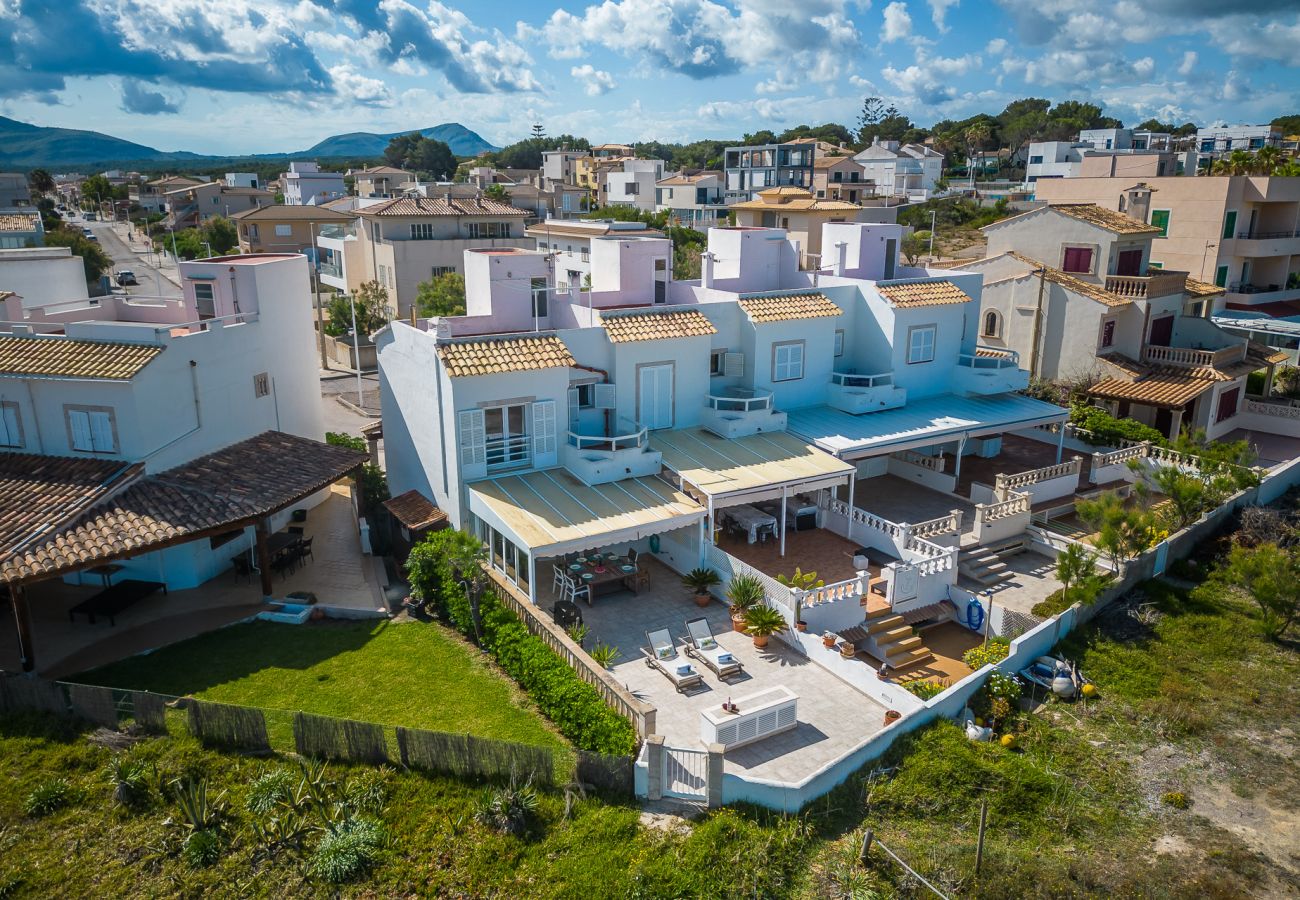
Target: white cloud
x=352 y=86
x=780 y=83
x=597 y=82
x=1144 y=67
x=1248 y=37
x=996 y=47
x=898 y=24
x=939 y=13
x=1188 y=64
x=1236 y=87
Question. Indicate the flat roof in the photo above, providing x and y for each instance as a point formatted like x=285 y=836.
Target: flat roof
x=552 y=513
x=721 y=467
x=920 y=423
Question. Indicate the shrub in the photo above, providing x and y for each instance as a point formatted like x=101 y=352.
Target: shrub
x=439 y=568
x=925 y=689
x=995 y=650
x=1053 y=604
x=509 y=809
x=1110 y=431
x=202 y=848
x=129 y=779
x=269 y=791
x=349 y=850
x=48 y=796
x=367 y=792
x=604 y=655
x=1176 y=799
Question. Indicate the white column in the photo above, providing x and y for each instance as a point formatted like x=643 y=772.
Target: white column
x=849 y=527
x=961 y=447
x=784 y=492
x=1060 y=441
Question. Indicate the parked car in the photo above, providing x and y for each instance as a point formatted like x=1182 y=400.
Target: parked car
x=89 y=235
x=125 y=277
x=90 y=216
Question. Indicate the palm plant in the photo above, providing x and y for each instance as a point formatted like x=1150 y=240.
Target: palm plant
x=762 y=622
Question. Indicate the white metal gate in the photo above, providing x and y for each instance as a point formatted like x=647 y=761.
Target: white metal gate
x=686 y=774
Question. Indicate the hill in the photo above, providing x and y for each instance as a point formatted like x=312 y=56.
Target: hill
x=460 y=139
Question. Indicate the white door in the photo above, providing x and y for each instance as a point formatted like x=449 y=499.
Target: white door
x=656 y=396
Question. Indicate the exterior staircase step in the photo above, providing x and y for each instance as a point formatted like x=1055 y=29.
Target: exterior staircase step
x=894 y=634
x=902 y=648
x=884 y=623
x=911 y=659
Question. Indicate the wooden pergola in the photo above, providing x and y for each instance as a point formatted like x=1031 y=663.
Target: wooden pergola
x=92 y=512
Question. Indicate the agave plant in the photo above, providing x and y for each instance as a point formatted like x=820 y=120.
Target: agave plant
x=509 y=809
x=129 y=779
x=745 y=592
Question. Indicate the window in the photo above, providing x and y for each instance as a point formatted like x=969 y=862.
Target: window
x=1108 y=333
x=1035 y=160
x=1221 y=277
x=489 y=229
x=717 y=362
x=787 y=361
x=1160 y=219
x=991 y=324
x=91 y=429
x=541 y=245
x=261 y=384
x=586 y=394
x=253 y=232
x=1230 y=224
x=1077 y=259
x=920 y=344
x=538 y=287
x=421 y=231
x=439 y=271
x=11 y=427
x=284 y=231
x=506 y=435
x=1227 y=405
x=204 y=300
x=383 y=275
x=586 y=254
x=839 y=342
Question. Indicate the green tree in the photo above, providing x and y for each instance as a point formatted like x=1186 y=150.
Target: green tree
x=1123 y=531
x=496 y=192
x=831 y=132
x=527 y=154
x=93 y=258
x=764 y=136
x=220 y=234
x=913 y=246
x=441 y=296
x=372 y=311
x=1022 y=121
x=1074 y=567
x=1288 y=125
x=96 y=189
x=416 y=152
x=1271 y=576
x=41 y=181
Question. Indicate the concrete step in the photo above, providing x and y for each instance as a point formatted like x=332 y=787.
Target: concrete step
x=884 y=623
x=988 y=579
x=902 y=648
x=894 y=634
x=913 y=658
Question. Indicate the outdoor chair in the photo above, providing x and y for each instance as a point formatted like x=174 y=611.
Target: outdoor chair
x=662 y=655
x=242 y=568
x=566 y=614
x=632 y=555
x=702 y=645
x=642 y=578
x=557 y=582
x=572 y=591
x=303 y=550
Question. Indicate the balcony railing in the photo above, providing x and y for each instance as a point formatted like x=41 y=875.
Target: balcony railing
x=989 y=358
x=1162 y=284
x=332 y=269
x=339 y=232
x=739 y=400
x=1266 y=235
x=845 y=379
x=1186 y=356
x=630 y=437
x=509 y=452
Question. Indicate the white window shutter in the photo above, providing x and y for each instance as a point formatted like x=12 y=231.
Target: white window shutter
x=573 y=407
x=79 y=425
x=101 y=432
x=473 y=441
x=606 y=396
x=733 y=365
x=545 y=447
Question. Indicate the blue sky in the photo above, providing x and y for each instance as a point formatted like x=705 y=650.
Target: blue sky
x=228 y=76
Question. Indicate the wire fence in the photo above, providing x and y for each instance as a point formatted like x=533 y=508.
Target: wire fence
x=256 y=730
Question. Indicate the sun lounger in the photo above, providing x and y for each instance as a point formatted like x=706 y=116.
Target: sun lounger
x=662 y=655
x=115 y=599
x=702 y=645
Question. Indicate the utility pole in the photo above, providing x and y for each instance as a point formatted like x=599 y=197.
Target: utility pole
x=320 y=313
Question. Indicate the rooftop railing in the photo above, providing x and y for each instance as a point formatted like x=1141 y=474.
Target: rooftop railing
x=739 y=400
x=628 y=436
x=990 y=358
x=851 y=380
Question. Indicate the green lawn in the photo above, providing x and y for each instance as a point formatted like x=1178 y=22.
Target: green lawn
x=415 y=674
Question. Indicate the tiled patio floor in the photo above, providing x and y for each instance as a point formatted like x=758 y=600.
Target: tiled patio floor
x=1019 y=454
x=1034 y=578
x=833 y=717
x=340 y=577
x=900 y=500
x=815 y=550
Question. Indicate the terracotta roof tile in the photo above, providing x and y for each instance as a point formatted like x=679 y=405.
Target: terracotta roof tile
x=415 y=511
x=1102 y=217
x=1166 y=389
x=655 y=324
x=283 y=212
x=61 y=357
x=12 y=221
x=908 y=294
x=1201 y=289
x=37 y=492
x=225 y=489
x=427 y=206
x=780 y=307
x=488 y=356
x=1263 y=355
x=1075 y=285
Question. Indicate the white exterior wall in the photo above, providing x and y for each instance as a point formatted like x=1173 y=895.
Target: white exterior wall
x=1060 y=159
x=43 y=275
x=312 y=188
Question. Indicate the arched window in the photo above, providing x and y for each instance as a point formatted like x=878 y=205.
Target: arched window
x=991 y=324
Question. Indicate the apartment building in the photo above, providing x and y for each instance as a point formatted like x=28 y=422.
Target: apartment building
x=285 y=229
x=405 y=241
x=750 y=169
x=14 y=192
x=379 y=182
x=192 y=205
x=1125 y=139
x=1239 y=232
x=840 y=178
x=550 y=422
x=695 y=199
x=1074 y=159
x=1220 y=140
x=1071 y=289
x=561 y=166
x=802 y=216
x=151 y=195
x=572 y=242
x=633 y=184
x=306 y=185
x=901 y=170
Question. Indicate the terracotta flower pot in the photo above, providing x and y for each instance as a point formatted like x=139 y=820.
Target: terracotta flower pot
x=760 y=641
x=892 y=716
x=802 y=626
x=703 y=600
x=738 y=622
x=828 y=641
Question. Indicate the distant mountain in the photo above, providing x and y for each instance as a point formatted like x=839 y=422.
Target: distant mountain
x=460 y=139
x=24 y=146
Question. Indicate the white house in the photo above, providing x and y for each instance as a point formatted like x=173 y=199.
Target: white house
x=306 y=185
x=574 y=241
x=633 y=184
x=43 y=275
x=907 y=170
x=697 y=199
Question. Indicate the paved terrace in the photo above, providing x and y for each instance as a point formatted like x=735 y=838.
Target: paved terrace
x=833 y=717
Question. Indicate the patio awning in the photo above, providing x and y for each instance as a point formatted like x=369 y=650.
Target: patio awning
x=742 y=470
x=1165 y=390
x=929 y=420
x=552 y=513
x=230 y=488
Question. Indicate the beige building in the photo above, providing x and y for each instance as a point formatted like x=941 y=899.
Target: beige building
x=403 y=242
x=379 y=181
x=1071 y=289
x=193 y=205
x=150 y=195
x=284 y=229
x=840 y=178
x=802 y=216
x=1239 y=232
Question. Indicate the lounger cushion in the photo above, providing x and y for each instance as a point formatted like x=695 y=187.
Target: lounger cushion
x=725 y=658
x=684 y=670
x=708 y=644
x=664 y=652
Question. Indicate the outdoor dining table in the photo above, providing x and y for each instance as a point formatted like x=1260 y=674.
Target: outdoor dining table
x=281 y=541
x=613 y=578
x=754 y=522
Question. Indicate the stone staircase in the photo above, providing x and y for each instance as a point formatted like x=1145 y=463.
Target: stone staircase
x=886 y=636
x=984 y=564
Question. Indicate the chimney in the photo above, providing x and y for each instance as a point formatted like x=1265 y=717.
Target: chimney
x=841 y=257
x=706 y=269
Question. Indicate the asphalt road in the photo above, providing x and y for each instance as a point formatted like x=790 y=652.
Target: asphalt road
x=152 y=283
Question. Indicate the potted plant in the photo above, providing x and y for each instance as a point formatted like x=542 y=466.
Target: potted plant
x=604 y=655
x=745 y=592
x=798 y=583
x=828 y=640
x=700 y=580
x=578 y=633
x=762 y=622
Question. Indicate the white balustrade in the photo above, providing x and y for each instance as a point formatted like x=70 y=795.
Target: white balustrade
x=933 y=463
x=1278 y=410
x=1003 y=483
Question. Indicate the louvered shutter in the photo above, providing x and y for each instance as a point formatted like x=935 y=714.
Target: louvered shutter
x=101 y=432
x=606 y=396
x=79 y=425
x=573 y=409
x=473 y=444
x=733 y=365
x=545 y=446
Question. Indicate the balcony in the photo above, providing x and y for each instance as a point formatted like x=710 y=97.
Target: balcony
x=857 y=394
x=505 y=453
x=738 y=412
x=989 y=370
x=1147 y=287
x=604 y=458
x=1267 y=243
x=1190 y=358
x=331 y=270
x=338 y=232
